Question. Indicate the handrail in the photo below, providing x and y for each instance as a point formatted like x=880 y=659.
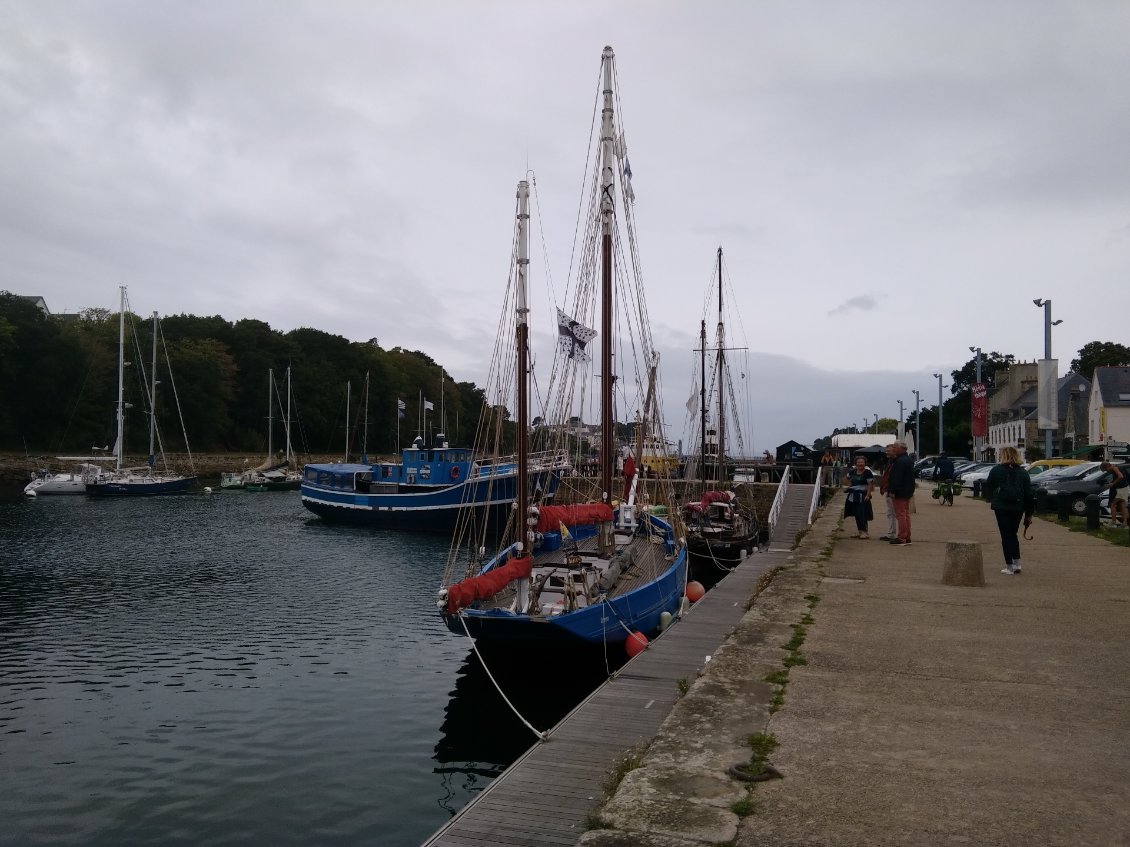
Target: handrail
x=815 y=496
x=779 y=500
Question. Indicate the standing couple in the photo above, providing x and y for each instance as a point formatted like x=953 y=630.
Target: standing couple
x=896 y=484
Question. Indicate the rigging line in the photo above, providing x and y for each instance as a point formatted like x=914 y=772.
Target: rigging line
x=589 y=160
x=176 y=397
x=541 y=736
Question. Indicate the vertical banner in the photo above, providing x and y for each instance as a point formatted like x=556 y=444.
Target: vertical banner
x=1047 y=408
x=980 y=422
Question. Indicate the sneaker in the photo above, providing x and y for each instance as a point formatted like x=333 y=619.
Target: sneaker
x=885 y=538
x=864 y=535
x=1007 y=569
x=898 y=542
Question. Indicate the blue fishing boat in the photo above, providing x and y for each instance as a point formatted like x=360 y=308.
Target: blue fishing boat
x=431 y=486
x=606 y=572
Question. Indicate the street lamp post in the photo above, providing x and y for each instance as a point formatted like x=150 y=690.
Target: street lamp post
x=940 y=450
x=876 y=430
x=917 y=422
x=901 y=434
x=1048 y=324
x=978 y=441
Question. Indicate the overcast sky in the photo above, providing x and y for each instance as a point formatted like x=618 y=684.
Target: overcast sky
x=891 y=182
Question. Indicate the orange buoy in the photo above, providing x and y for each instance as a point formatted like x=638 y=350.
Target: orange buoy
x=635 y=644
x=695 y=591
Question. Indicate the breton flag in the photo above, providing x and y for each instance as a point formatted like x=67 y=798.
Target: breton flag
x=428 y=406
x=573 y=336
x=400 y=408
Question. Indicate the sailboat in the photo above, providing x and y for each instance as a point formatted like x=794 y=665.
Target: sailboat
x=587 y=573
x=720 y=530
x=142 y=481
x=271 y=475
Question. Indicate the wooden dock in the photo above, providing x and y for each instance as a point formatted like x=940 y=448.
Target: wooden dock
x=546 y=796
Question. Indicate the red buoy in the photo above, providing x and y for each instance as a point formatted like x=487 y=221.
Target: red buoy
x=635 y=644
x=695 y=591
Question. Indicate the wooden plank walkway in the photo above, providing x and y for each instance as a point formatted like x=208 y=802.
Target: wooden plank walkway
x=545 y=797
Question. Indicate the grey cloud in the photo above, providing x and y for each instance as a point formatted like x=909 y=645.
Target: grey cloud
x=862 y=303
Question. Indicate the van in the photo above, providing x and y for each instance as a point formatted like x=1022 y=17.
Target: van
x=1036 y=468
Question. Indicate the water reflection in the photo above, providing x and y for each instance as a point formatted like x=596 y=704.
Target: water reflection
x=481 y=736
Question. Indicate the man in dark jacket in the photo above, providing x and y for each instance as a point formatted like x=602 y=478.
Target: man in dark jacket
x=901 y=486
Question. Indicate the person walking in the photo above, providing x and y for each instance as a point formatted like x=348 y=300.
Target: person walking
x=1008 y=489
x=1118 y=486
x=901 y=488
x=859 y=482
x=884 y=489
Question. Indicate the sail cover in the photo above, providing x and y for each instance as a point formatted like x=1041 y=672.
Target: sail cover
x=480 y=587
x=551 y=517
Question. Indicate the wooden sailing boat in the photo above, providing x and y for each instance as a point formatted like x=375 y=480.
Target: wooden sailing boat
x=147 y=480
x=720 y=531
x=587 y=573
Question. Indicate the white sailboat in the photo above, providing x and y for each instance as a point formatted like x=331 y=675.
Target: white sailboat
x=146 y=480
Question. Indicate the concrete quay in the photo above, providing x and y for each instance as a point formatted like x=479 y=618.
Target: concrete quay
x=923 y=713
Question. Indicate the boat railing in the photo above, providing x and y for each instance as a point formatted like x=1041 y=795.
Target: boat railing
x=815 y=501
x=538 y=461
x=779 y=500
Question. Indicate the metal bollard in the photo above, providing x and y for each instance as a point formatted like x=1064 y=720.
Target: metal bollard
x=976 y=488
x=1093 y=501
x=1064 y=507
x=1041 y=499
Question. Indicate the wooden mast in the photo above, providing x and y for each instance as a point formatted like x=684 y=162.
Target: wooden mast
x=607 y=221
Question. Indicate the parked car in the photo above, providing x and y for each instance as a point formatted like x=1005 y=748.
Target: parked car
x=1053 y=475
x=1093 y=481
x=978 y=472
x=1042 y=465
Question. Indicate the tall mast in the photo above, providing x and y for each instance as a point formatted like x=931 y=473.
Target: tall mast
x=721 y=380
x=288 y=415
x=522 y=334
x=702 y=400
x=365 y=429
x=270 y=415
x=153 y=398
x=348 y=385
x=607 y=218
x=119 y=445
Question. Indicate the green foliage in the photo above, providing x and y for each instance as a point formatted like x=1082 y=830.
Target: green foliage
x=1098 y=354
x=58 y=386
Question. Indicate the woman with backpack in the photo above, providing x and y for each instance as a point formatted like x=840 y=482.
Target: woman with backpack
x=1009 y=492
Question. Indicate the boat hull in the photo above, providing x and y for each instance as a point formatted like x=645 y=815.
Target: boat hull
x=141 y=487
x=418 y=510
x=602 y=623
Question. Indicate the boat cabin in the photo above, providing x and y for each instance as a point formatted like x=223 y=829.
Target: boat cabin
x=421 y=466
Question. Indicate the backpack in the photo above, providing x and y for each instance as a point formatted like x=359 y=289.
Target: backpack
x=1011 y=490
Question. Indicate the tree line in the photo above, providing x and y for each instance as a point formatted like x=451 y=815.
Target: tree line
x=957 y=430
x=59 y=386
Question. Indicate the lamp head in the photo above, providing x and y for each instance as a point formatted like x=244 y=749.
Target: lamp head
x=937 y=376
x=1057 y=323
x=1038 y=301
x=974 y=349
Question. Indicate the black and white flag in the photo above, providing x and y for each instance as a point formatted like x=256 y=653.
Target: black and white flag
x=573 y=336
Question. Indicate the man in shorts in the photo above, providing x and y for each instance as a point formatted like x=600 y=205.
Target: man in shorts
x=1118 y=486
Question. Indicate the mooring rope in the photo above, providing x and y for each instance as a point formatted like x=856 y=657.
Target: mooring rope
x=541 y=736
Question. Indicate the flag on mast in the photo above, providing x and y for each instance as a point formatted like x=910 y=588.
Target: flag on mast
x=573 y=336
x=429 y=406
x=400 y=407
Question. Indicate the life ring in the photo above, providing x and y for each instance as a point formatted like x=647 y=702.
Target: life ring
x=455 y=473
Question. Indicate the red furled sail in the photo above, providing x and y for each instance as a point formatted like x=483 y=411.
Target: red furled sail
x=551 y=517
x=464 y=593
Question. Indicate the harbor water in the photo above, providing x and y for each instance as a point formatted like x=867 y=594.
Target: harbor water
x=226 y=669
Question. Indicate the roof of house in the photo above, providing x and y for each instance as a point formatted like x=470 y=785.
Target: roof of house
x=1113 y=386
x=1028 y=401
